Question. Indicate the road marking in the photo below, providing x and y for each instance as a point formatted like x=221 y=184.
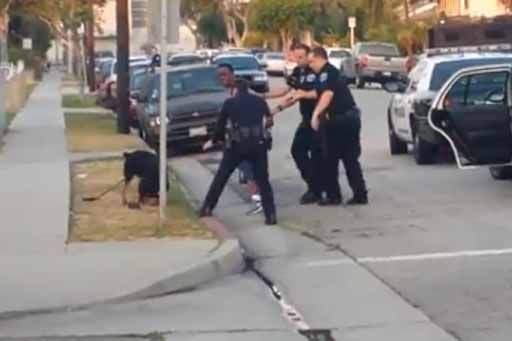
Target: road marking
x=409 y=258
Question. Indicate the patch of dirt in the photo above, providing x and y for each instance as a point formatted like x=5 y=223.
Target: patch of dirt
x=108 y=220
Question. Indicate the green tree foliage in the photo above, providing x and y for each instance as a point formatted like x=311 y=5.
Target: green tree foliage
x=288 y=17
x=24 y=26
x=211 y=27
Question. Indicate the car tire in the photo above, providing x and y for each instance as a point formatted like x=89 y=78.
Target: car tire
x=360 y=83
x=396 y=146
x=424 y=152
x=501 y=173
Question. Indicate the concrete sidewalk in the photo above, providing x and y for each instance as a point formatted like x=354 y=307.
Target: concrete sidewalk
x=347 y=299
x=40 y=271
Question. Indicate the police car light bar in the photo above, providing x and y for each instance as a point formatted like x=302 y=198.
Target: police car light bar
x=468 y=49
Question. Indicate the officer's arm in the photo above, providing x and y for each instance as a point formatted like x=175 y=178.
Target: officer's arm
x=302 y=94
x=277 y=94
x=323 y=103
x=220 y=130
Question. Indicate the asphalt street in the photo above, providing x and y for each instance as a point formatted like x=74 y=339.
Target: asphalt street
x=438 y=237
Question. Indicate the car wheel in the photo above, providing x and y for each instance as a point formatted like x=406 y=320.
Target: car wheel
x=360 y=83
x=396 y=146
x=424 y=152
x=501 y=173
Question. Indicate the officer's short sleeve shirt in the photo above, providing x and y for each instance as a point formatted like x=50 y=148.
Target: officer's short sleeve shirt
x=306 y=80
x=330 y=79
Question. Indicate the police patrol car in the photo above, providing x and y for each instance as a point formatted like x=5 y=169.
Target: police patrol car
x=409 y=107
x=472 y=113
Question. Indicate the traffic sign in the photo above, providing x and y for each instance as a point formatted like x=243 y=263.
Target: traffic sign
x=27 y=43
x=352 y=22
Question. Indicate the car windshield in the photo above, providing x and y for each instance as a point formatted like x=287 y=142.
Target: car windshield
x=443 y=71
x=379 y=50
x=188 y=82
x=275 y=56
x=240 y=63
x=106 y=67
x=185 y=60
x=339 y=54
x=136 y=81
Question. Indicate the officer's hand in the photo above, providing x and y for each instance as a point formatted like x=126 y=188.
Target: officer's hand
x=315 y=123
x=208 y=145
x=269 y=122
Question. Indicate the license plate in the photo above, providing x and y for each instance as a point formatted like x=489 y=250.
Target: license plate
x=387 y=74
x=199 y=131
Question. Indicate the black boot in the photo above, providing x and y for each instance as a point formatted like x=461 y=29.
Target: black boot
x=271 y=220
x=308 y=198
x=358 y=200
x=330 y=202
x=205 y=211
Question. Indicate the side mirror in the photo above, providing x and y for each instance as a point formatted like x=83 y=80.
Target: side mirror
x=394 y=87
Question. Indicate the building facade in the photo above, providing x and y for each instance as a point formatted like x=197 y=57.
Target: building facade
x=423 y=9
x=472 y=8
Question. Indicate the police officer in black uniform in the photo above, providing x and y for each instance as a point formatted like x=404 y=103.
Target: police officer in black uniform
x=305 y=147
x=247 y=116
x=338 y=120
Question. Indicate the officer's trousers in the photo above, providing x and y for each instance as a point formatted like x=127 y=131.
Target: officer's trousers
x=306 y=153
x=258 y=160
x=344 y=143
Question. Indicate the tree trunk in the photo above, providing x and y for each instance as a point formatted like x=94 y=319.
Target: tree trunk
x=245 y=21
x=89 y=43
x=285 y=37
x=123 y=56
x=4 y=58
x=4 y=27
x=406 y=9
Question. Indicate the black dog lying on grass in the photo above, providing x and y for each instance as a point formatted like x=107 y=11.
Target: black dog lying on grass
x=145 y=166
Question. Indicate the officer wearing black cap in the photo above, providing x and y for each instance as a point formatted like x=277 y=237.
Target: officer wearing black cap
x=305 y=146
x=338 y=119
x=241 y=126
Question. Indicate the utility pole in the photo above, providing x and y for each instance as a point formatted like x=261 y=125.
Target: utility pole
x=163 y=113
x=123 y=56
x=4 y=59
x=89 y=43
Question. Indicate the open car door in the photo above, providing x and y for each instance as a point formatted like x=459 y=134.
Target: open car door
x=472 y=112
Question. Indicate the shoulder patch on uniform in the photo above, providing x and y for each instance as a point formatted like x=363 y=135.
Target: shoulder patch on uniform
x=311 y=78
x=323 y=77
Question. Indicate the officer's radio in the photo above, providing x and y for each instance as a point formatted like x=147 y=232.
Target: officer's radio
x=293 y=81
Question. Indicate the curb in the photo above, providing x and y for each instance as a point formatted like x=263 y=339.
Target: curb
x=226 y=261
x=229 y=260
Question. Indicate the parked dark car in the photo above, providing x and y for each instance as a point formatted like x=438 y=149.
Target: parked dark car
x=194 y=100
x=246 y=66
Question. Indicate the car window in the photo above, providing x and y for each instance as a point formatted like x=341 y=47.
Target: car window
x=415 y=76
x=239 y=63
x=379 y=50
x=275 y=56
x=137 y=81
x=444 y=70
x=188 y=82
x=479 y=89
x=339 y=54
x=184 y=60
